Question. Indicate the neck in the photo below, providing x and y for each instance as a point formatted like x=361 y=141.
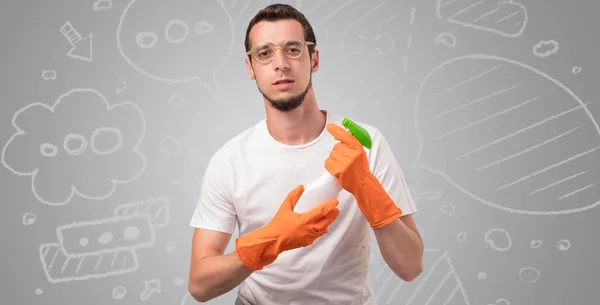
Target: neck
x=298 y=126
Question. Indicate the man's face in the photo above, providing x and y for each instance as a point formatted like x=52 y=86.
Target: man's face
x=288 y=95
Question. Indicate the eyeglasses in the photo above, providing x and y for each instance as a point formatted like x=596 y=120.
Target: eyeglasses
x=264 y=53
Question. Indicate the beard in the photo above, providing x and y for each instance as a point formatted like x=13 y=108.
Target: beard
x=290 y=103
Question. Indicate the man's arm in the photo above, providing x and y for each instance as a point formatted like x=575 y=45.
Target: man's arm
x=401 y=247
x=213 y=273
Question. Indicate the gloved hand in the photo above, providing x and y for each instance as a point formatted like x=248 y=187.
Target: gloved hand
x=349 y=164
x=287 y=230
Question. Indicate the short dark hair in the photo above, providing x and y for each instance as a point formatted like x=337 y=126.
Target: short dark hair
x=279 y=11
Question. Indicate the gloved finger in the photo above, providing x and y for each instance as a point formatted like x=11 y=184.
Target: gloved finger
x=342 y=135
x=293 y=196
x=321 y=210
x=333 y=165
x=324 y=222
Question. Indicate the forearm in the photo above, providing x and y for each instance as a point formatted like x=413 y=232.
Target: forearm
x=217 y=275
x=401 y=249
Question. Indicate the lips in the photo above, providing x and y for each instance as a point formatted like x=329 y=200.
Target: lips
x=283 y=81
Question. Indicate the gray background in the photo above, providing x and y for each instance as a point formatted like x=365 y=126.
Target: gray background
x=489 y=109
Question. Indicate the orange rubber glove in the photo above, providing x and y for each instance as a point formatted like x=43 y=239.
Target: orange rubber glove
x=287 y=230
x=349 y=164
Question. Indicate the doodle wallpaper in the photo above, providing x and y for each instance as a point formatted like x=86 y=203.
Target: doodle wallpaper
x=111 y=109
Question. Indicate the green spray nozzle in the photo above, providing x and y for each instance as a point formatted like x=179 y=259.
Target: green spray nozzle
x=358 y=132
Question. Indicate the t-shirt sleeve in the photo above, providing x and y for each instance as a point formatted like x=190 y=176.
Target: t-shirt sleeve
x=387 y=170
x=215 y=209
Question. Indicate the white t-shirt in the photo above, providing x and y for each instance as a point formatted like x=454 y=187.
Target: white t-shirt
x=247 y=180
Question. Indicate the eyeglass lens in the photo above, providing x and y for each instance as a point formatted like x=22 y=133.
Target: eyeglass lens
x=291 y=49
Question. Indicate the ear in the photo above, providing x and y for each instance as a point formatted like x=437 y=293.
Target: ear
x=315 y=61
x=249 y=69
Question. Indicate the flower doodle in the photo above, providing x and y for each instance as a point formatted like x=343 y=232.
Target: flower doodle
x=80 y=145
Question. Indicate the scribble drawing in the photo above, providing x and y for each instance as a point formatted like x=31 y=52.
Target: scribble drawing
x=80 y=130
x=508 y=135
x=505 y=17
x=498 y=239
x=157 y=209
x=438 y=284
x=81 y=48
x=61 y=268
x=100 y=5
x=195 y=44
x=104 y=247
x=48 y=74
x=545 y=48
x=123 y=84
x=119 y=292
x=447 y=39
x=151 y=288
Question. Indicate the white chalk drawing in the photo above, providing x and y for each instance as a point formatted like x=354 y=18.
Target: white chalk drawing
x=196 y=55
x=501 y=301
x=447 y=39
x=61 y=268
x=170 y=146
x=156 y=208
x=151 y=288
x=534 y=172
x=28 y=219
x=39 y=292
x=536 y=244
x=21 y=144
x=178 y=281
x=105 y=236
x=462 y=236
x=104 y=247
x=447 y=208
x=101 y=5
x=482 y=275
x=529 y=274
x=576 y=70
x=563 y=245
x=119 y=292
x=176 y=100
x=498 y=239
x=506 y=18
x=545 y=48
x=81 y=48
x=438 y=284
x=426 y=195
x=123 y=84
x=48 y=74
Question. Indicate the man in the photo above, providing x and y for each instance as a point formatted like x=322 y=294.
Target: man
x=254 y=180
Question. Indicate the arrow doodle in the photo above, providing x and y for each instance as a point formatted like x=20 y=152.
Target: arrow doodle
x=79 y=50
x=150 y=287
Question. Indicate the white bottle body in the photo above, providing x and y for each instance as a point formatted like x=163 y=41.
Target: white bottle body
x=326 y=187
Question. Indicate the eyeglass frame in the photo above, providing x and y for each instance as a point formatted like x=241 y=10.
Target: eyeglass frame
x=279 y=47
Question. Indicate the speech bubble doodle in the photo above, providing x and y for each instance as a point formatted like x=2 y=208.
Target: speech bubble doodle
x=505 y=18
x=177 y=42
x=508 y=136
x=82 y=131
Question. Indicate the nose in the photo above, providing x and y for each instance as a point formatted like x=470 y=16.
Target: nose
x=280 y=61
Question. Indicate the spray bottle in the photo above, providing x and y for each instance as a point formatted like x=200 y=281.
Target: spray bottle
x=327 y=187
